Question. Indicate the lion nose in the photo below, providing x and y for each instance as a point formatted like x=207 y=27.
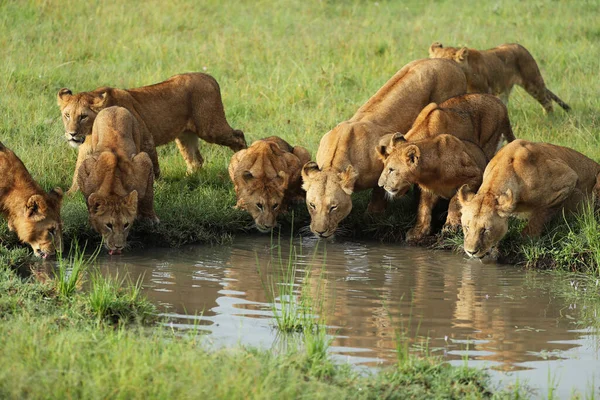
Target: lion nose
x=321 y=233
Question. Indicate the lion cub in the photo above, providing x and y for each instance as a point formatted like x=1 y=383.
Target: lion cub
x=479 y=118
x=439 y=165
x=527 y=180
x=116 y=179
x=182 y=109
x=31 y=212
x=266 y=177
x=497 y=70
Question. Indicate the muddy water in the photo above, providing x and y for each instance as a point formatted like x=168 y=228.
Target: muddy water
x=494 y=316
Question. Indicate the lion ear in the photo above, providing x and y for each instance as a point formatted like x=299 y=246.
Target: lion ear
x=247 y=176
x=285 y=179
x=95 y=204
x=56 y=194
x=506 y=202
x=100 y=101
x=397 y=139
x=309 y=171
x=35 y=208
x=347 y=179
x=434 y=46
x=412 y=153
x=465 y=195
x=382 y=151
x=63 y=95
x=461 y=55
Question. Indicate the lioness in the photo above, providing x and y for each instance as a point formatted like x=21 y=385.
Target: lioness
x=346 y=159
x=266 y=177
x=439 y=165
x=479 y=118
x=31 y=212
x=182 y=108
x=116 y=178
x=497 y=70
x=527 y=180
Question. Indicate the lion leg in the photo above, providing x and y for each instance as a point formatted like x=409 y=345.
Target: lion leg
x=84 y=150
x=453 y=219
x=187 y=143
x=423 y=226
x=143 y=167
x=378 y=203
x=537 y=221
x=538 y=91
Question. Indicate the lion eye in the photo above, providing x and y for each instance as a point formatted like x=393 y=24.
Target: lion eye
x=82 y=117
x=126 y=225
x=52 y=231
x=109 y=226
x=259 y=206
x=275 y=206
x=333 y=208
x=390 y=170
x=466 y=228
x=67 y=115
x=312 y=205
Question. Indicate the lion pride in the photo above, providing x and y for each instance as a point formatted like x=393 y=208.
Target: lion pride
x=266 y=177
x=347 y=160
x=528 y=180
x=117 y=179
x=497 y=70
x=182 y=108
x=31 y=212
x=439 y=166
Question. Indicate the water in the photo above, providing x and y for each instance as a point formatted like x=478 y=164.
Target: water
x=517 y=324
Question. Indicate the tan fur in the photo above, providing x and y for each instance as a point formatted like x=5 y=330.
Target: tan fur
x=439 y=166
x=116 y=179
x=182 y=108
x=527 y=180
x=266 y=177
x=347 y=160
x=496 y=71
x=32 y=213
x=479 y=118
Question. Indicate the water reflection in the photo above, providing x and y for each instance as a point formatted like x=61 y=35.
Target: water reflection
x=489 y=313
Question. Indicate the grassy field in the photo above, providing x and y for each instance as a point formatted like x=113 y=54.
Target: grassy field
x=293 y=69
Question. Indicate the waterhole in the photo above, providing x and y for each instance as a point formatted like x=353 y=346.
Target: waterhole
x=525 y=327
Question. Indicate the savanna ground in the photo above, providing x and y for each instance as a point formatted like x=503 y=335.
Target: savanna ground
x=292 y=69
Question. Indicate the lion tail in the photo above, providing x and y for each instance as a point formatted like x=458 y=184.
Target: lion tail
x=509 y=134
x=558 y=101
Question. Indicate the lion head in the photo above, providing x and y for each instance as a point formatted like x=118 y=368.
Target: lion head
x=400 y=163
x=112 y=216
x=458 y=54
x=263 y=198
x=79 y=112
x=484 y=219
x=40 y=225
x=328 y=197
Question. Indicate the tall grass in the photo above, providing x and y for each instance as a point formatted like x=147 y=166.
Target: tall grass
x=70 y=272
x=118 y=300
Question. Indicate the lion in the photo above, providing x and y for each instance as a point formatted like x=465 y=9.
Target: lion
x=117 y=179
x=266 y=177
x=182 y=108
x=528 y=180
x=479 y=118
x=497 y=70
x=439 y=165
x=346 y=161
x=31 y=212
